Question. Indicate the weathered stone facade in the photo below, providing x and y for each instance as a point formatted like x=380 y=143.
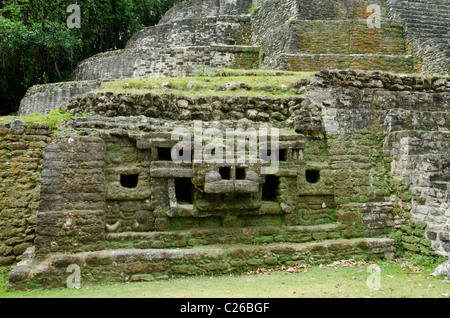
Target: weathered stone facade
x=22 y=147
x=346 y=182
x=363 y=157
x=427 y=28
x=314 y=35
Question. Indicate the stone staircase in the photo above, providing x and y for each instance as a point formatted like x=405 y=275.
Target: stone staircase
x=197 y=36
x=334 y=35
x=427 y=27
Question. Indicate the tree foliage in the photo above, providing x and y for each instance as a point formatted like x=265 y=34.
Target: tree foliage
x=37 y=47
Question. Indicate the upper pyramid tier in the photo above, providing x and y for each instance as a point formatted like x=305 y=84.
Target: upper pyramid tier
x=193 y=34
x=310 y=35
x=296 y=35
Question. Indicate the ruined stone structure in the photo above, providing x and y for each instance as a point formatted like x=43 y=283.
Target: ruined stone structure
x=363 y=162
x=278 y=34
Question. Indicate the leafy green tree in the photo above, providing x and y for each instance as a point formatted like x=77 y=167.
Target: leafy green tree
x=37 y=47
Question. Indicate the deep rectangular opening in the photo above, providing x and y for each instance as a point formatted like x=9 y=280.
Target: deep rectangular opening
x=270 y=188
x=312 y=176
x=240 y=173
x=183 y=190
x=129 y=181
x=164 y=153
x=282 y=156
x=225 y=173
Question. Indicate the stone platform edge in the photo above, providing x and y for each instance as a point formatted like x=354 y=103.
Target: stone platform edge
x=128 y=265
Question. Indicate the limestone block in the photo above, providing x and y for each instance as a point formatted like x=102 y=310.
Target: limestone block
x=246 y=186
x=224 y=186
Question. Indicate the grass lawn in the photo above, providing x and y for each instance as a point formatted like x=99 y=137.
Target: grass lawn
x=347 y=279
x=209 y=85
x=53 y=119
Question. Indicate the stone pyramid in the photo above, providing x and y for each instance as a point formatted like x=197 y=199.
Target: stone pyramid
x=198 y=36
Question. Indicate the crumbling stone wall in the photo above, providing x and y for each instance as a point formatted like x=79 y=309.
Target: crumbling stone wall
x=404 y=122
x=21 y=148
x=420 y=159
x=196 y=8
x=345 y=181
x=204 y=31
x=170 y=62
x=169 y=106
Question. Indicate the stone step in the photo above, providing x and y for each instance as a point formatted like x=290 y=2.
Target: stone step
x=427 y=28
x=417 y=5
x=124 y=265
x=326 y=9
x=200 y=31
x=345 y=37
x=204 y=237
x=193 y=8
x=317 y=62
x=168 y=62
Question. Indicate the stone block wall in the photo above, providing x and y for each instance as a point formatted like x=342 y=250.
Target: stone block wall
x=192 y=9
x=196 y=8
x=270 y=26
x=403 y=182
x=335 y=10
x=363 y=187
x=170 y=106
x=171 y=62
x=72 y=198
x=345 y=37
x=420 y=159
x=367 y=62
x=22 y=149
x=45 y=98
x=205 y=31
x=316 y=35
x=427 y=27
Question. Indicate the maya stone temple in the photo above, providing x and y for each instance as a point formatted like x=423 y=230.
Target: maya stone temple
x=281 y=168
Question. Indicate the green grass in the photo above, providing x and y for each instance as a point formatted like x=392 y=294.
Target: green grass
x=53 y=119
x=398 y=279
x=6 y=119
x=209 y=84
